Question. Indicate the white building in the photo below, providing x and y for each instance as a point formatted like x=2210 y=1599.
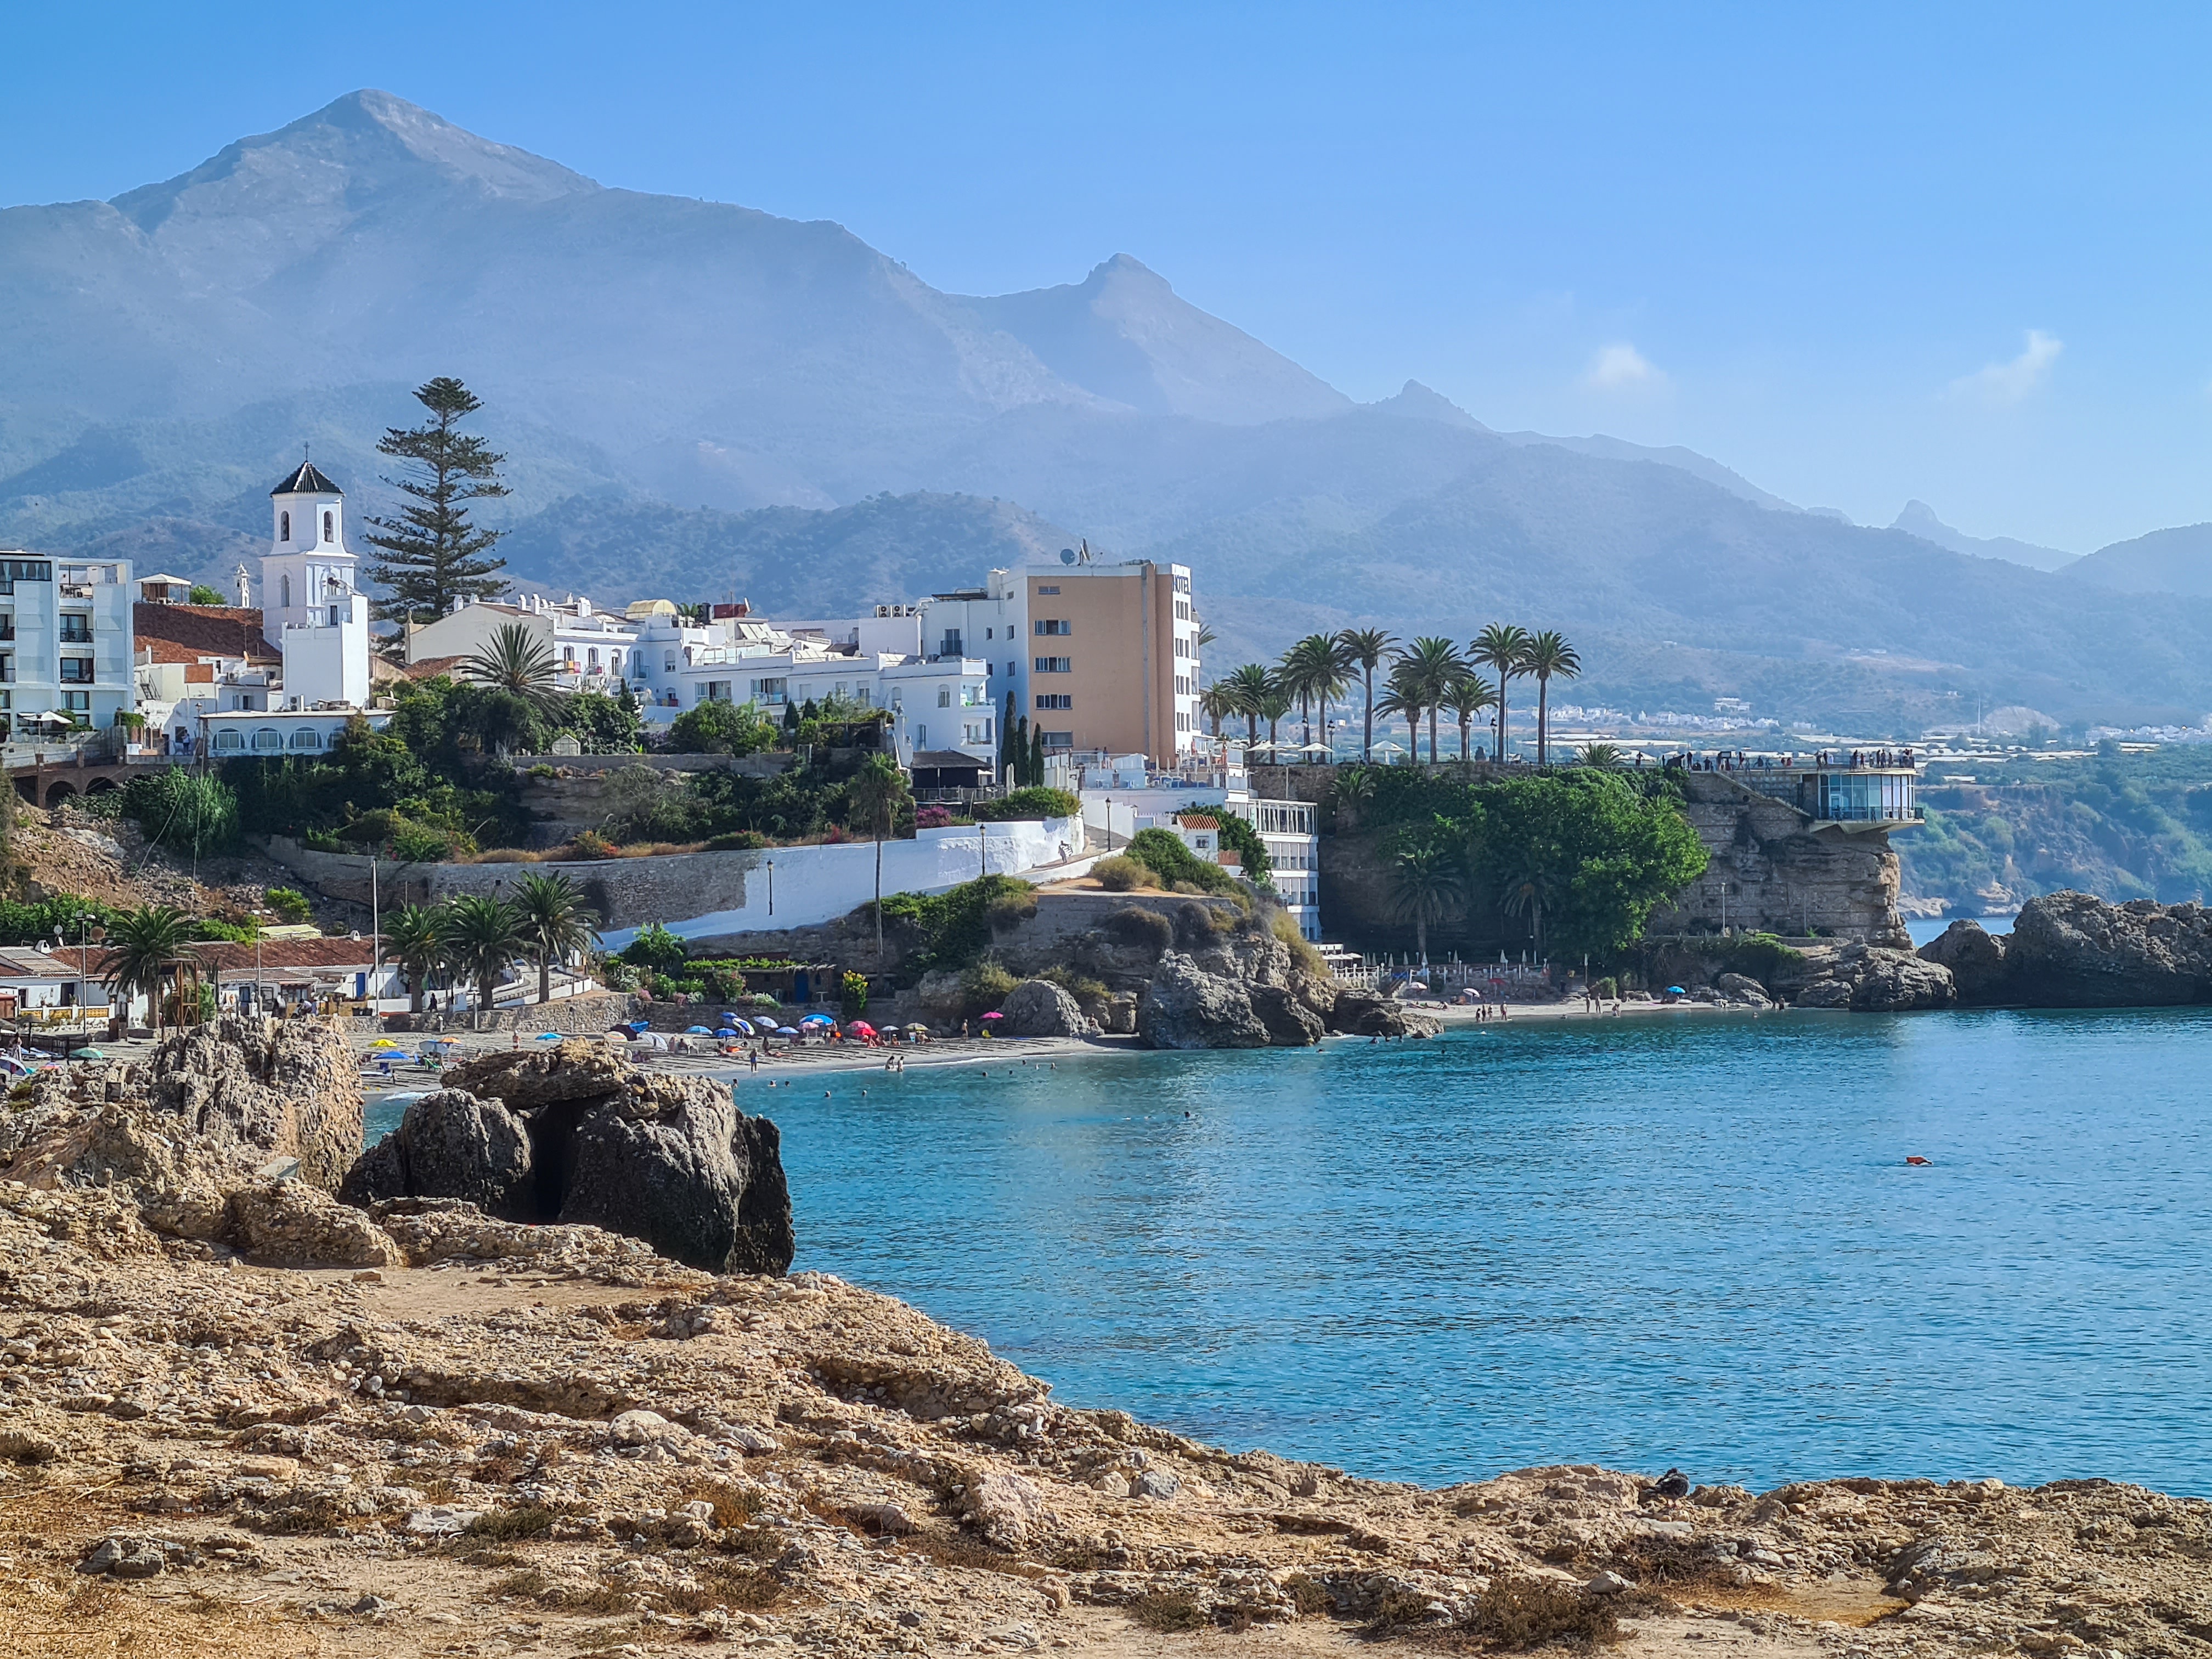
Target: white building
x=989 y=625
x=590 y=647
x=1119 y=802
x=65 y=643
x=312 y=608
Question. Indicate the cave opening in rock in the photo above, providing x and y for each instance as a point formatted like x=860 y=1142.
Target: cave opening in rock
x=553 y=1154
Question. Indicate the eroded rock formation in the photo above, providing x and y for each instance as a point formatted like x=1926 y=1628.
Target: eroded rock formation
x=576 y=1135
x=1038 y=1008
x=2072 y=951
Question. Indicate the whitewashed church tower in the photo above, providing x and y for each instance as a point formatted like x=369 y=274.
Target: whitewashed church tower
x=312 y=608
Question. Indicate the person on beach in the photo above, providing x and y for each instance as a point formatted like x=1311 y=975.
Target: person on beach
x=753 y=1059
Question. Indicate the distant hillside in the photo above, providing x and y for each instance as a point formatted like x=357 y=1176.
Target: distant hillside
x=1918 y=519
x=788 y=560
x=2178 y=560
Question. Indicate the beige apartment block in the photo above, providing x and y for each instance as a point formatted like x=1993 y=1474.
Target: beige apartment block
x=1113 y=659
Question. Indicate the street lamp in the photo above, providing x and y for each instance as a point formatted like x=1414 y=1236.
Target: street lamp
x=771 y=887
x=87 y=929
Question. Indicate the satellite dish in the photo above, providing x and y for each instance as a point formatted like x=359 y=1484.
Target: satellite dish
x=1067 y=555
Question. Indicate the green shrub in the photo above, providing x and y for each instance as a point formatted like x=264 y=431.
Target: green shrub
x=1034 y=802
x=853 y=997
x=417 y=843
x=1138 y=928
x=541 y=773
x=953 y=929
x=1011 y=910
x=1164 y=853
x=1606 y=989
x=187 y=811
x=984 y=986
x=288 y=903
x=736 y=841
x=1118 y=873
x=591 y=844
x=1285 y=927
x=721 y=728
x=1239 y=837
x=656 y=949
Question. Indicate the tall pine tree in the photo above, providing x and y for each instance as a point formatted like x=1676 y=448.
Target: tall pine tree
x=433 y=555
x=1010 y=754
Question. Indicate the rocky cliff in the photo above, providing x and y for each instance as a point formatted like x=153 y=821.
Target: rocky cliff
x=2073 y=951
x=577 y=1135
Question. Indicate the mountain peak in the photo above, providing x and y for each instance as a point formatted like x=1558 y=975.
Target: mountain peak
x=344 y=155
x=1918 y=519
x=1416 y=402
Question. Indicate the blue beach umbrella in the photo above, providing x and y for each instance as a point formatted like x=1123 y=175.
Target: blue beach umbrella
x=548 y=1036
x=784 y=1031
x=696 y=1031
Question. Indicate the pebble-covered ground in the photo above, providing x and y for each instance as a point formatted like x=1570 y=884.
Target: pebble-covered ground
x=545 y=1440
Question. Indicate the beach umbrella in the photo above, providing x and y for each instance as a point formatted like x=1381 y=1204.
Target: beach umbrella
x=784 y=1031
x=696 y=1031
x=1675 y=990
x=548 y=1036
x=637 y=1026
x=917 y=1028
x=994 y=1015
x=86 y=1053
x=385 y=1043
x=818 y=1019
x=861 y=1028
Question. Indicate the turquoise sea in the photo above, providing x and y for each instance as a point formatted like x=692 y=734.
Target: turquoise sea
x=1689 y=1240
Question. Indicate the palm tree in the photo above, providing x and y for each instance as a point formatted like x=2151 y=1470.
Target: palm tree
x=872 y=801
x=1504 y=647
x=483 y=938
x=1272 y=708
x=1364 y=649
x=1468 y=696
x=1248 y=689
x=516 y=660
x=1524 y=896
x=1433 y=663
x=1424 y=882
x=556 y=924
x=1313 y=671
x=1605 y=757
x=415 y=935
x=146 y=949
x=1402 y=699
x=1548 y=653
x=1217 y=704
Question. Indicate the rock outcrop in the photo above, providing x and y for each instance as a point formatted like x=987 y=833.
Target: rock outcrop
x=1038 y=1008
x=1870 y=980
x=2071 y=950
x=1975 y=957
x=1186 y=1007
x=576 y=1135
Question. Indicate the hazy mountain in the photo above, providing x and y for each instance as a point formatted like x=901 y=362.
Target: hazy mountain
x=2178 y=560
x=883 y=549
x=1123 y=334
x=696 y=398
x=1918 y=519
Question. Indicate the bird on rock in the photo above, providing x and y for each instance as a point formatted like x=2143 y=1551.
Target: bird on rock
x=1673 y=1484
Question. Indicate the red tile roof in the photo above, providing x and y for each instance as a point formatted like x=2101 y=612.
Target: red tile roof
x=181 y=633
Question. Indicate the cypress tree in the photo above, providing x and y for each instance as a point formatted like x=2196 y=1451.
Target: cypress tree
x=433 y=555
x=1037 y=755
x=1009 y=753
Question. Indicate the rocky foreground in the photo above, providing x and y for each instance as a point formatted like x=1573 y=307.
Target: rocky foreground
x=238 y=1416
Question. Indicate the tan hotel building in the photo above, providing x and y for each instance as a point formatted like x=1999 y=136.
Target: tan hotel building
x=1113 y=659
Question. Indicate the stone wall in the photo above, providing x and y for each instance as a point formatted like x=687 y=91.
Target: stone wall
x=719 y=895
x=1772 y=872
x=581 y=1015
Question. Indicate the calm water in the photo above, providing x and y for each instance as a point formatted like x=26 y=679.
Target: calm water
x=1685 y=1240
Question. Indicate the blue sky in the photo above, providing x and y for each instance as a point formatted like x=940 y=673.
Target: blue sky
x=1859 y=253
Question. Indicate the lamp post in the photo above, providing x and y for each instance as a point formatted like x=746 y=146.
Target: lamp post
x=87 y=930
x=771 y=887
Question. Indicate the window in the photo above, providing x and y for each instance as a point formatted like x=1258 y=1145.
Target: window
x=1059 y=740
x=338 y=616
x=1182 y=645
x=76 y=628
x=668 y=661
x=1055 y=665
x=1054 y=699
x=990 y=671
x=614 y=662
x=1042 y=589
x=1012 y=668
x=267 y=740
x=591 y=660
x=76 y=670
x=307 y=737
x=718 y=690
x=990 y=634
x=772 y=690
x=1053 y=625
x=972 y=732
x=7 y=668
x=77 y=702
x=330 y=527
x=7 y=624
x=229 y=741
x=945 y=696
x=288 y=593
x=283 y=527
x=972 y=696
x=567 y=656
x=950 y=646
x=1182 y=721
